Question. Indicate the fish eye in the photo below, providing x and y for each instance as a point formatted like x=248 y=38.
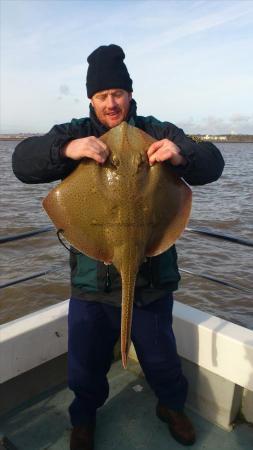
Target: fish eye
x=142 y=159
x=115 y=162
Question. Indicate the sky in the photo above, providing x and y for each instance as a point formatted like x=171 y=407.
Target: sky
x=190 y=60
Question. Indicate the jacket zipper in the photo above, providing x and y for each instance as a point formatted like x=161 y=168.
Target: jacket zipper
x=108 y=282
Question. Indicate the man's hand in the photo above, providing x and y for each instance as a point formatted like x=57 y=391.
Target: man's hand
x=165 y=150
x=89 y=147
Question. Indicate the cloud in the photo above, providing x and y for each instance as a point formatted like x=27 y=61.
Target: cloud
x=64 y=89
x=241 y=118
x=187 y=59
x=237 y=123
x=65 y=92
x=205 y=21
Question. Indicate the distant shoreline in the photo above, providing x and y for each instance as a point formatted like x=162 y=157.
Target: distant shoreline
x=219 y=138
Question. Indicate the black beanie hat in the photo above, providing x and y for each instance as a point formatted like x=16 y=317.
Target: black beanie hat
x=107 y=70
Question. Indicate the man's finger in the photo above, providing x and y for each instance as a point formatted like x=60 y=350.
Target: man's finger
x=154 y=147
x=99 y=158
x=97 y=154
x=100 y=148
x=160 y=156
x=154 y=158
x=102 y=156
x=102 y=144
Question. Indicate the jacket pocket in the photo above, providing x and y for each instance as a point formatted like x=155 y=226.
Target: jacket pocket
x=163 y=268
x=84 y=272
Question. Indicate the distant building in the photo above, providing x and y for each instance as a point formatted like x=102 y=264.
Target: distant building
x=212 y=137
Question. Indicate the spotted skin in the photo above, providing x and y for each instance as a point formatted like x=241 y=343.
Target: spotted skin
x=121 y=211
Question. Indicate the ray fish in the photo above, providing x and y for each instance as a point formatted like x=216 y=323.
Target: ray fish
x=122 y=211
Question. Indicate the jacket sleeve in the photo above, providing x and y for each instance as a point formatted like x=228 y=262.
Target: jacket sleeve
x=204 y=160
x=37 y=159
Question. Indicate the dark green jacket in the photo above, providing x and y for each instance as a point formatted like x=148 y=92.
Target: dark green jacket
x=38 y=160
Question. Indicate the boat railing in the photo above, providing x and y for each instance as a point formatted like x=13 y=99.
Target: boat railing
x=200 y=230
x=216 y=355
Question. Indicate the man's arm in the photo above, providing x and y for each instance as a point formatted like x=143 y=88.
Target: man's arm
x=38 y=159
x=197 y=162
x=205 y=163
x=42 y=159
x=166 y=150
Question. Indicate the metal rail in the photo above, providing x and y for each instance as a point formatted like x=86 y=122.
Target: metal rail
x=21 y=280
x=199 y=275
x=217 y=280
x=203 y=231
x=224 y=237
x=16 y=237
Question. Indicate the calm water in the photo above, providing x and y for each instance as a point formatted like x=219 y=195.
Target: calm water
x=224 y=206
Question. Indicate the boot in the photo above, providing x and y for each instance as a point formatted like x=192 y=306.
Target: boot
x=82 y=437
x=179 y=425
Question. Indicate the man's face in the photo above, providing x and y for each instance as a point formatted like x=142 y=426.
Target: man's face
x=111 y=106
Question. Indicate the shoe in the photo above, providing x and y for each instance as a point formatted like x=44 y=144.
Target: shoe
x=179 y=425
x=82 y=437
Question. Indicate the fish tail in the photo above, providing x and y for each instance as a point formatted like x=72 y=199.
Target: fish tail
x=128 y=283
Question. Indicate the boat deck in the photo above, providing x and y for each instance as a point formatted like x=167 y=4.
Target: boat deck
x=126 y=422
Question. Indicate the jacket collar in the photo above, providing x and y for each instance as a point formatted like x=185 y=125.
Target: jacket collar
x=101 y=129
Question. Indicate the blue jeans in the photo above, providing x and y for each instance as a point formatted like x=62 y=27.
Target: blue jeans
x=93 y=331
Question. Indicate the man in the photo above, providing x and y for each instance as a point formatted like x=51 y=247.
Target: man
x=94 y=310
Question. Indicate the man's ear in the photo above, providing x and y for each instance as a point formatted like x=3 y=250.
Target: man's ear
x=130 y=96
x=92 y=102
